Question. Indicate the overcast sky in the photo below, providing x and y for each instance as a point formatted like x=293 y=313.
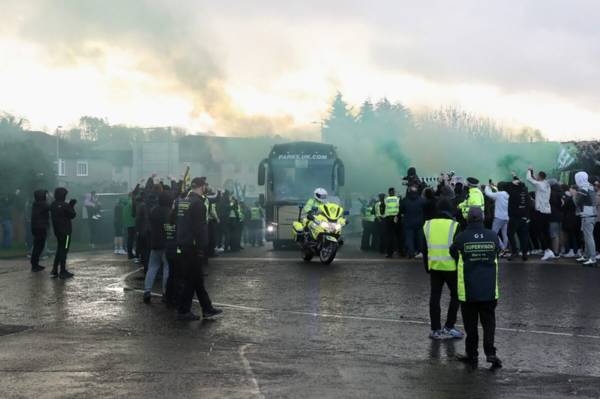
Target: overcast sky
x=255 y=67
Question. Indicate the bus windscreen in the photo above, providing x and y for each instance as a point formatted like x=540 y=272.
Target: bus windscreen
x=295 y=180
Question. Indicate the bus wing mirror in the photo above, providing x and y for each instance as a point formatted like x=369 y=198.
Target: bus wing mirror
x=262 y=171
x=261 y=200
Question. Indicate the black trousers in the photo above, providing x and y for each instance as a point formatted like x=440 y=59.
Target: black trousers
x=212 y=237
x=175 y=281
x=255 y=232
x=437 y=280
x=130 y=241
x=63 y=243
x=39 y=242
x=597 y=236
x=367 y=239
x=234 y=235
x=390 y=235
x=472 y=313
x=378 y=242
x=221 y=234
x=543 y=233
x=191 y=261
x=142 y=249
x=92 y=226
x=520 y=227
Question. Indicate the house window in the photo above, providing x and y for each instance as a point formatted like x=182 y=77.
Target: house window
x=82 y=168
x=62 y=168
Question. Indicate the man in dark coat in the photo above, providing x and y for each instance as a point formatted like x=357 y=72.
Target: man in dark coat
x=40 y=221
x=62 y=214
x=412 y=208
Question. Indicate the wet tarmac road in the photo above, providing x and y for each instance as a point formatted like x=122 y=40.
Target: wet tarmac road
x=357 y=328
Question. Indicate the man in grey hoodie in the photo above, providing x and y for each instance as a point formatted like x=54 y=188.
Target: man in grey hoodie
x=585 y=200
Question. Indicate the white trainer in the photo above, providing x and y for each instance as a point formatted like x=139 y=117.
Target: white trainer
x=548 y=255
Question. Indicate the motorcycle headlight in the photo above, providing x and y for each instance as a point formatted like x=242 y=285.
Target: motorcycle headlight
x=325 y=225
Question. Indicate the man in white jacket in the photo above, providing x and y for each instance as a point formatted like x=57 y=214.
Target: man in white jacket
x=500 y=224
x=543 y=210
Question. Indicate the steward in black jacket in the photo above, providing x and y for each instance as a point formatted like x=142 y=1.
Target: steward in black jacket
x=192 y=239
x=478 y=292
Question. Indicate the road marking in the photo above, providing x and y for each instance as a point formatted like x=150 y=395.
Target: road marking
x=337 y=260
x=366 y=318
x=400 y=321
x=255 y=388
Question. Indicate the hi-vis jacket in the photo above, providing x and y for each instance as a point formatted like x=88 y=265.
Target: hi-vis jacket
x=439 y=235
x=474 y=198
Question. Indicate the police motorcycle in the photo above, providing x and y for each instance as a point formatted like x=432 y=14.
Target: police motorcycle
x=320 y=233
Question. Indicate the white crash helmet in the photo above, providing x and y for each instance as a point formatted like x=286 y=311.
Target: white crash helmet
x=320 y=194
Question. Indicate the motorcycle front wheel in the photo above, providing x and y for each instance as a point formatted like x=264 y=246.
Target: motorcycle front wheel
x=327 y=253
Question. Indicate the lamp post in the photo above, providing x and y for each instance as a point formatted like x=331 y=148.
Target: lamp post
x=57 y=134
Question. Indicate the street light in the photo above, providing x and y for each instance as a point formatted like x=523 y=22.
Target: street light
x=57 y=134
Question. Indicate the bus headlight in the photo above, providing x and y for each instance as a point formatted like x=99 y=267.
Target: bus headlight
x=270 y=228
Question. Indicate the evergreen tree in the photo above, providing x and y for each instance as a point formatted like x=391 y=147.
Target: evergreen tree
x=339 y=125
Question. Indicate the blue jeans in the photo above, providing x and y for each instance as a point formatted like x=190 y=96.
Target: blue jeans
x=6 y=233
x=158 y=258
x=413 y=240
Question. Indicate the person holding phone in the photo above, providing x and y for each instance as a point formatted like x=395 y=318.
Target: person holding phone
x=62 y=214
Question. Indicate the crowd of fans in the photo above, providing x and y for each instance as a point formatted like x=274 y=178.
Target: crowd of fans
x=145 y=225
x=232 y=222
x=553 y=220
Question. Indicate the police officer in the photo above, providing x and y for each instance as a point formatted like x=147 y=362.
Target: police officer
x=477 y=249
x=255 y=225
x=192 y=240
x=368 y=221
x=391 y=217
x=474 y=197
x=379 y=210
x=234 y=226
x=213 y=226
x=441 y=266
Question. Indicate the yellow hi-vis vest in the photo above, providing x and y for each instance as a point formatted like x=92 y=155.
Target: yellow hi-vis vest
x=475 y=198
x=377 y=209
x=439 y=234
x=368 y=215
x=392 y=206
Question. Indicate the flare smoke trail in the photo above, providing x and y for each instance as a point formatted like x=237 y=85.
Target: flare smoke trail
x=171 y=42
